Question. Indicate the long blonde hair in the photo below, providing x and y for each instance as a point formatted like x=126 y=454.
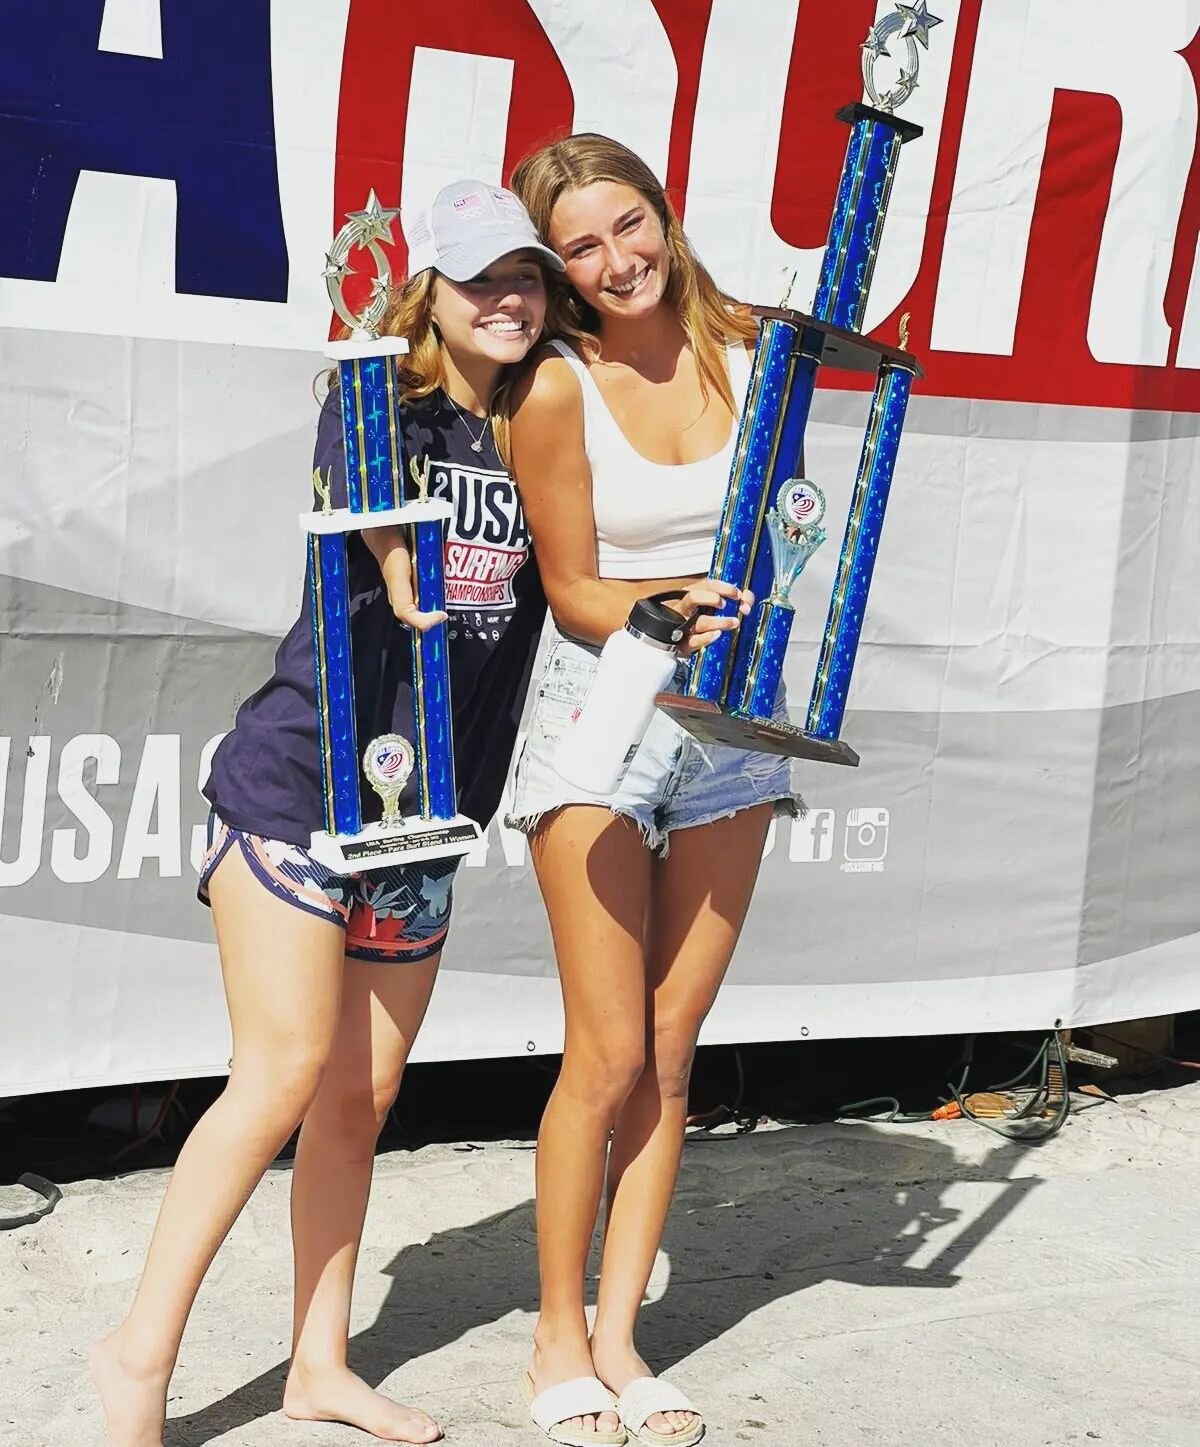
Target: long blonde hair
x=710 y=319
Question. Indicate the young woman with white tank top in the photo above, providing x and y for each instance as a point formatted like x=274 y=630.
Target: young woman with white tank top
x=621 y=438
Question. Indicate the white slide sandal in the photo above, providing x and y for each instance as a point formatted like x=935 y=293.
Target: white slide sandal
x=646 y=1395
x=580 y=1397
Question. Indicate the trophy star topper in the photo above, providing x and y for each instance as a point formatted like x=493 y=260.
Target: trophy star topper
x=365 y=230
x=917 y=21
x=373 y=222
x=911 y=24
x=337 y=268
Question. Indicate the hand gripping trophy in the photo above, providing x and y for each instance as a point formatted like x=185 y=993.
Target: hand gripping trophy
x=378 y=495
x=768 y=529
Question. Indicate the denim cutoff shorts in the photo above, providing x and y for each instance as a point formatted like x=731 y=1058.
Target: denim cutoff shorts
x=669 y=780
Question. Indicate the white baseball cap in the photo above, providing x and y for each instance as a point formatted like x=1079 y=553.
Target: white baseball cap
x=469 y=226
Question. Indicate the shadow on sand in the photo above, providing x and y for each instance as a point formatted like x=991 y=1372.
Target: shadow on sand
x=763 y=1215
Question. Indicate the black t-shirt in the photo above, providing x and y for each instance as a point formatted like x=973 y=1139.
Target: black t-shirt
x=266 y=773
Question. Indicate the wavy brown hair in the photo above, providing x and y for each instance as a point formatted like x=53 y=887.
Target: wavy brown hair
x=709 y=317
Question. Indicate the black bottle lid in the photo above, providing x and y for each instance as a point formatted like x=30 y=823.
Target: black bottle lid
x=656 y=622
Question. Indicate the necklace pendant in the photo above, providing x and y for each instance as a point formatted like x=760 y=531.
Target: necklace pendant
x=477 y=445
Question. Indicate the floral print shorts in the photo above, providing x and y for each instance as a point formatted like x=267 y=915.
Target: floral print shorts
x=391 y=916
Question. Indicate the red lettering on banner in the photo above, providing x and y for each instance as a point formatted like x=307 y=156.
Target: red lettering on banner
x=686 y=24
x=377 y=66
x=1050 y=359
x=812 y=141
x=1187 y=238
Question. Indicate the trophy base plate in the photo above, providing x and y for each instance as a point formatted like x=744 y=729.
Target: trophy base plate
x=342 y=520
x=714 y=725
x=378 y=848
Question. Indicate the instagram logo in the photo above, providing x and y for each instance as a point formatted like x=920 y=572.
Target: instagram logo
x=866 y=840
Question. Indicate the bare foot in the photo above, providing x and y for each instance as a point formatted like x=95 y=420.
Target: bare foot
x=562 y=1362
x=617 y=1366
x=335 y=1394
x=134 y=1399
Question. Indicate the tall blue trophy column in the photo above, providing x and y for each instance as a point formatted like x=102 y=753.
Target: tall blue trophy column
x=771 y=523
x=860 y=545
x=848 y=267
x=769 y=442
x=436 y=792
x=377 y=495
x=334 y=670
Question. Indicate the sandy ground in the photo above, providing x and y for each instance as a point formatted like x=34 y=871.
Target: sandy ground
x=834 y=1284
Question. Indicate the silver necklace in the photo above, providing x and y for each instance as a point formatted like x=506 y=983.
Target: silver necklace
x=476 y=442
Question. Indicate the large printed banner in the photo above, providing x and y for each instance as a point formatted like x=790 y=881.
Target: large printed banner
x=1020 y=844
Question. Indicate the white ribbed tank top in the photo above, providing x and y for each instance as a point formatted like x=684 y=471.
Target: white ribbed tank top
x=653 y=519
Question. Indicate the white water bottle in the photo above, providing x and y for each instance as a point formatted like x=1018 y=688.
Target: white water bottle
x=636 y=664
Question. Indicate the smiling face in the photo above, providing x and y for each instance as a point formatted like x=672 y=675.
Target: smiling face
x=613 y=244
x=497 y=315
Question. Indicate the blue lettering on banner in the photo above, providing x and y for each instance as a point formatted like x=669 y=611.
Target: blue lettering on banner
x=202 y=116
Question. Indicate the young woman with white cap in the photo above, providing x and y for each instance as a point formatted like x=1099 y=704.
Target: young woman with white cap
x=327 y=978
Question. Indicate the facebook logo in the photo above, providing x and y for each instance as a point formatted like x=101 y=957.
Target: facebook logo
x=812 y=837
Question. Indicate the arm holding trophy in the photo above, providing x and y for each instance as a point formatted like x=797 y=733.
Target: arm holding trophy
x=390 y=550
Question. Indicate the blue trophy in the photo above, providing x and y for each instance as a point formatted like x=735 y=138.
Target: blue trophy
x=770 y=525
x=379 y=494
